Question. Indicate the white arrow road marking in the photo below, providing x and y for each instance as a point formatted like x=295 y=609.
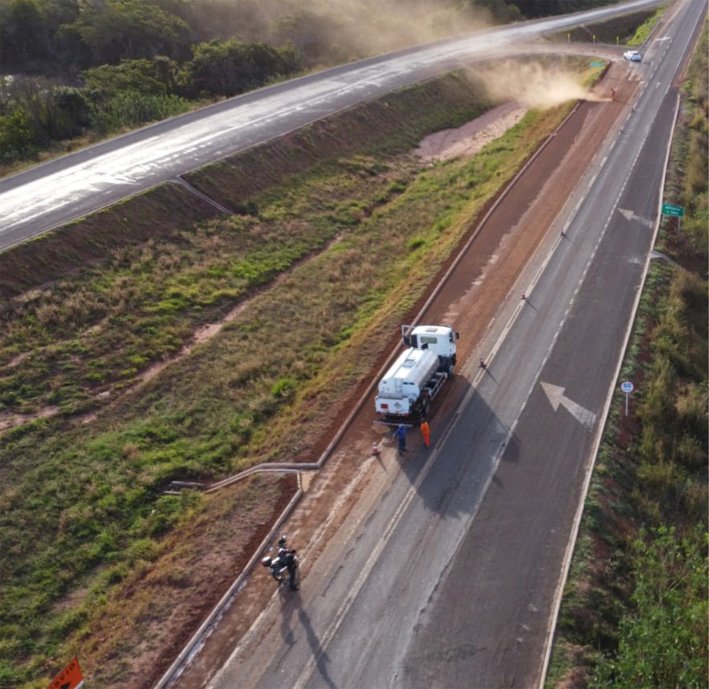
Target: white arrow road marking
x=556 y=397
x=631 y=215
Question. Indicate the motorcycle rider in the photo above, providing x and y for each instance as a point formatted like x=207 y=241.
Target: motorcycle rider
x=288 y=557
x=287 y=560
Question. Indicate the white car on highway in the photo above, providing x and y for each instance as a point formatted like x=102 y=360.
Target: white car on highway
x=633 y=56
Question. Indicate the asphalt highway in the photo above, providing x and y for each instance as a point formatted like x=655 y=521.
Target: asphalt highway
x=453 y=580
x=57 y=192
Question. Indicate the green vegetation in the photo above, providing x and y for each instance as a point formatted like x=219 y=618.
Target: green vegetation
x=664 y=643
x=76 y=69
x=643 y=31
x=620 y=30
x=635 y=608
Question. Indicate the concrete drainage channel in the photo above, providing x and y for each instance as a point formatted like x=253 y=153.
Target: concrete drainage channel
x=198 y=640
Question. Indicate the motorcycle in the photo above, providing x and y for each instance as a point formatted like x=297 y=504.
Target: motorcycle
x=284 y=567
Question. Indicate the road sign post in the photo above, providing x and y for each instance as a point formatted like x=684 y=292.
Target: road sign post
x=674 y=212
x=627 y=387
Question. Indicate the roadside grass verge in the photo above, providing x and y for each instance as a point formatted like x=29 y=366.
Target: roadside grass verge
x=29 y=268
x=82 y=337
x=634 y=611
x=614 y=32
x=642 y=33
x=324 y=263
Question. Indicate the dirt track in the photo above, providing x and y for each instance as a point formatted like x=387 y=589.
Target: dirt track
x=484 y=279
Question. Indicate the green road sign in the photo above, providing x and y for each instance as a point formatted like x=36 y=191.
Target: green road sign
x=669 y=209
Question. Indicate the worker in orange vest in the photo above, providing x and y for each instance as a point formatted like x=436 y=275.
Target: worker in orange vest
x=426 y=433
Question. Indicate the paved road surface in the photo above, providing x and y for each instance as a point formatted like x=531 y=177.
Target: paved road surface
x=452 y=580
x=57 y=192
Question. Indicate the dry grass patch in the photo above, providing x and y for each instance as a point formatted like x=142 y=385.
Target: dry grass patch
x=154 y=610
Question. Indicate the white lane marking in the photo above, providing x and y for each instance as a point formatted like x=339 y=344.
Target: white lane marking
x=557 y=398
x=634 y=217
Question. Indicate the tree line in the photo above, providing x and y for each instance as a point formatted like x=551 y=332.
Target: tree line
x=71 y=67
x=74 y=67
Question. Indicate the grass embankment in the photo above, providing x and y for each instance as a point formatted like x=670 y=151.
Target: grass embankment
x=618 y=31
x=96 y=560
x=634 y=612
x=642 y=33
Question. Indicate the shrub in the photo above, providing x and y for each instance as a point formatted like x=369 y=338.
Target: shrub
x=663 y=644
x=17 y=136
x=225 y=68
x=131 y=109
x=156 y=77
x=284 y=388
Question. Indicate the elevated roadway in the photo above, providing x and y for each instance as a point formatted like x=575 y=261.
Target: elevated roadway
x=53 y=194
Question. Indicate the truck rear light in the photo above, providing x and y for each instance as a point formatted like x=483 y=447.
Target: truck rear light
x=384 y=406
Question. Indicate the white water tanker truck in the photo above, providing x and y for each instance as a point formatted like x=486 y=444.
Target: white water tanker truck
x=418 y=374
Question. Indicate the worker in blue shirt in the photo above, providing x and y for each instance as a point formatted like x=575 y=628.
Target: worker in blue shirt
x=400 y=435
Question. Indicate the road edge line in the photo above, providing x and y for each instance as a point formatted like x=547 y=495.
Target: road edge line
x=571 y=545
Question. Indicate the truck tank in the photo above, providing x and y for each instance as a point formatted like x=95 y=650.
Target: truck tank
x=402 y=384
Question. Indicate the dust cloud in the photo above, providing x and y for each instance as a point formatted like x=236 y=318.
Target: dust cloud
x=337 y=30
x=378 y=27
x=534 y=84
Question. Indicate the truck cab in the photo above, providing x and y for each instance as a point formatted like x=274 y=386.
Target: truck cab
x=440 y=339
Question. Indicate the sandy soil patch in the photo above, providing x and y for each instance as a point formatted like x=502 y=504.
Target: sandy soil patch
x=472 y=136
